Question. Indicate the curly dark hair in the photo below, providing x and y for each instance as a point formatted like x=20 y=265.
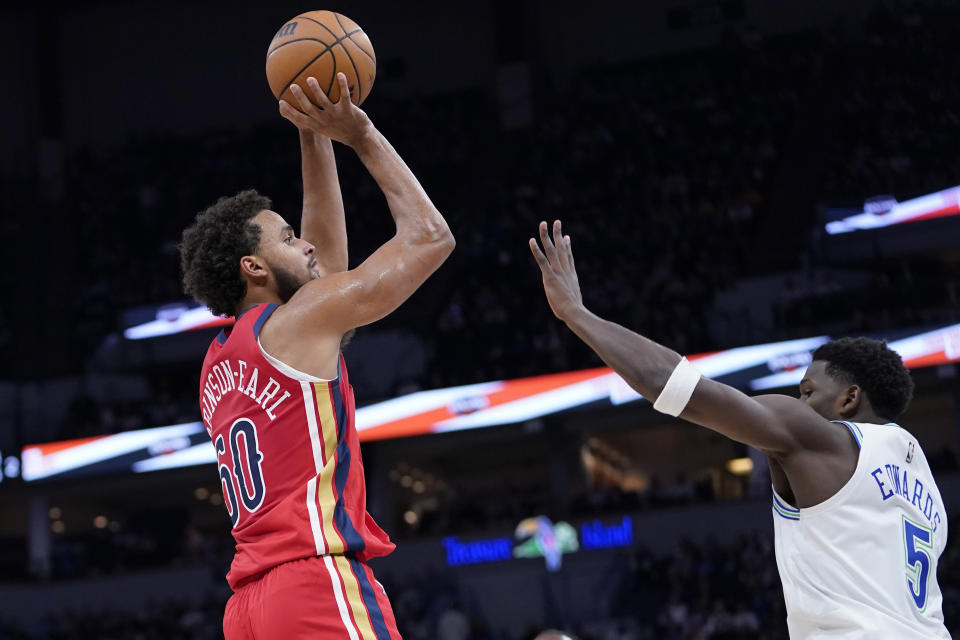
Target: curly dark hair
x=211 y=248
x=875 y=368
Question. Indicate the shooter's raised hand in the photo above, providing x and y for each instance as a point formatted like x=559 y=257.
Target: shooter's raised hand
x=342 y=120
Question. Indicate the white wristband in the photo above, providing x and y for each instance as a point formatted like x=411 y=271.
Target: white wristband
x=678 y=390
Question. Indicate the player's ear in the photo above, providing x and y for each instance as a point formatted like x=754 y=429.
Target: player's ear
x=848 y=402
x=254 y=268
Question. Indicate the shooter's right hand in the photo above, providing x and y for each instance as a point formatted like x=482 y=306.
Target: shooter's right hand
x=342 y=121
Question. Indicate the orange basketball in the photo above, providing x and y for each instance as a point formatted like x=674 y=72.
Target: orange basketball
x=321 y=44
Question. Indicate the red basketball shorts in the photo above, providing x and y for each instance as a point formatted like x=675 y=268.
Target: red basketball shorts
x=322 y=597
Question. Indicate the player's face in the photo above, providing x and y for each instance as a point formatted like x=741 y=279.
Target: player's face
x=290 y=258
x=821 y=391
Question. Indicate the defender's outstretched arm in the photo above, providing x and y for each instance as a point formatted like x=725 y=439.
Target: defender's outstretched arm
x=777 y=424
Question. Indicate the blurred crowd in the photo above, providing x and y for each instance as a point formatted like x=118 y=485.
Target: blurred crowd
x=170 y=620
x=153 y=538
x=463 y=509
x=675 y=177
x=895 y=111
x=896 y=293
x=706 y=591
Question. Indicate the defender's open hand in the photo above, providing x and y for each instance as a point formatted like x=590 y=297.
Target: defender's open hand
x=559 y=273
x=342 y=121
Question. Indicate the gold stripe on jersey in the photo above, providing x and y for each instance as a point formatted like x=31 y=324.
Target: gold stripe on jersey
x=354 y=599
x=326 y=495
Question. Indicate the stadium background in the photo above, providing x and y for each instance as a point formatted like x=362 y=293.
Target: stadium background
x=695 y=150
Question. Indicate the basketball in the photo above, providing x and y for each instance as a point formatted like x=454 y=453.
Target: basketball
x=321 y=44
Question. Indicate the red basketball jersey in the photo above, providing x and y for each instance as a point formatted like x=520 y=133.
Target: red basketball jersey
x=288 y=456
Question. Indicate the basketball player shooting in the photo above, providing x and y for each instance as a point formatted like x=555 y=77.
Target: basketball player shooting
x=274 y=391
x=859 y=523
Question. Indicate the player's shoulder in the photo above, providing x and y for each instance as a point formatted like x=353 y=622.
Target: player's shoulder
x=328 y=304
x=792 y=410
x=216 y=346
x=810 y=431
x=246 y=327
x=885 y=431
x=248 y=324
x=892 y=441
x=252 y=320
x=307 y=315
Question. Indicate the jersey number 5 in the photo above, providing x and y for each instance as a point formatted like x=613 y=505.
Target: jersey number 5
x=918 y=542
x=243 y=466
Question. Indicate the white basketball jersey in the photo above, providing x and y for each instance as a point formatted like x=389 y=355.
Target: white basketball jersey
x=863 y=563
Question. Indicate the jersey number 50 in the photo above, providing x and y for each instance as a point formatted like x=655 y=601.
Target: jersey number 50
x=243 y=466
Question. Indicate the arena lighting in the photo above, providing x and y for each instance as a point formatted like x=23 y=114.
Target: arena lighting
x=120 y=452
x=9 y=467
x=171 y=319
x=739 y=466
x=927 y=349
x=933 y=205
x=757 y=367
x=878 y=212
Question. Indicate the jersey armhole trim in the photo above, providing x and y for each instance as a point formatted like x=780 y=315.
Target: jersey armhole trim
x=264 y=316
x=855 y=478
x=855 y=430
x=289 y=371
x=782 y=509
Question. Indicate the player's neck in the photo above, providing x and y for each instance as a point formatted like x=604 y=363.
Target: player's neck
x=868 y=417
x=254 y=299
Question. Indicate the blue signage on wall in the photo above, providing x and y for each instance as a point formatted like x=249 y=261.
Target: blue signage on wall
x=596 y=535
x=476 y=552
x=538 y=537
